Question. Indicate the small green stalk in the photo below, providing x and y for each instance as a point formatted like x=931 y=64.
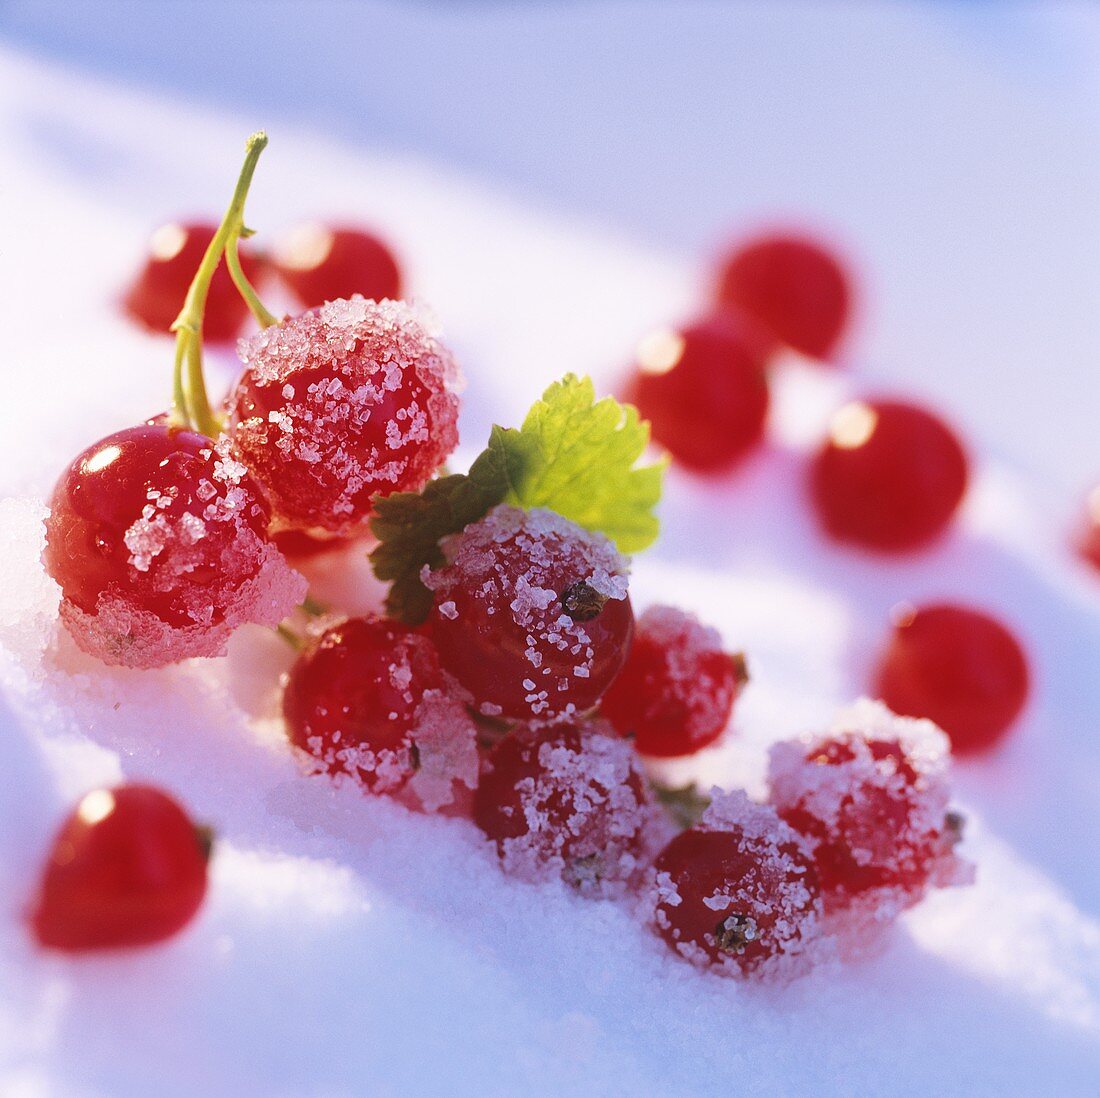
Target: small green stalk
x=191 y=405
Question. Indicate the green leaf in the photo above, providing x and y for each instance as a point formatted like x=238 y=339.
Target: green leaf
x=576 y=455
x=573 y=455
x=410 y=526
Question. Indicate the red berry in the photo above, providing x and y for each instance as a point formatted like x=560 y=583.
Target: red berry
x=675 y=693
x=958 y=667
x=158 y=540
x=890 y=476
x=1089 y=542
x=871 y=799
x=567 y=799
x=704 y=390
x=339 y=404
x=793 y=287
x=298 y=544
x=321 y=263
x=127 y=869
x=156 y=295
x=369 y=700
x=531 y=614
x=738 y=891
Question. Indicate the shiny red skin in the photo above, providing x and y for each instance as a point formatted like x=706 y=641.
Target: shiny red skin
x=95 y=503
x=341 y=692
x=899 y=489
x=298 y=544
x=711 y=408
x=156 y=295
x=960 y=668
x=795 y=288
x=703 y=862
x=645 y=702
x=357 y=262
x=136 y=876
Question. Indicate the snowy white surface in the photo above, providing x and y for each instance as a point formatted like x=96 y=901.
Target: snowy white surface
x=349 y=947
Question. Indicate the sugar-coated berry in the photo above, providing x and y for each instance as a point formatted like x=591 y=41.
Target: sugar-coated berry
x=531 y=614
x=127 y=869
x=960 y=668
x=342 y=403
x=1089 y=539
x=890 y=475
x=704 y=390
x=569 y=800
x=158 y=540
x=368 y=699
x=738 y=892
x=794 y=287
x=675 y=692
x=320 y=263
x=156 y=295
x=871 y=800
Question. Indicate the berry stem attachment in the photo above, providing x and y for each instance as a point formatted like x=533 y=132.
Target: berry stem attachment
x=264 y=317
x=191 y=405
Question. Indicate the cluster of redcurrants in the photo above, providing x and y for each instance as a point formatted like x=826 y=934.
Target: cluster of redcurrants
x=889 y=477
x=520 y=696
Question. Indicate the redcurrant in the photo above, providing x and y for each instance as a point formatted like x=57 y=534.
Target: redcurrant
x=704 y=390
x=871 y=799
x=128 y=868
x=1089 y=540
x=738 y=891
x=793 y=287
x=156 y=295
x=338 y=404
x=676 y=690
x=567 y=799
x=158 y=540
x=321 y=263
x=958 y=667
x=890 y=476
x=369 y=700
x=531 y=614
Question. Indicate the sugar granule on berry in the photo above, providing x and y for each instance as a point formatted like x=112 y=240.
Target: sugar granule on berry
x=568 y=800
x=676 y=690
x=871 y=799
x=738 y=892
x=343 y=402
x=531 y=613
x=369 y=702
x=158 y=540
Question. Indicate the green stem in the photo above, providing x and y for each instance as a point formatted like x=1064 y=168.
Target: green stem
x=191 y=403
x=264 y=317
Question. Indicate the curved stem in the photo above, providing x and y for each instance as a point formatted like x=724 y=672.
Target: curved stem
x=264 y=317
x=190 y=401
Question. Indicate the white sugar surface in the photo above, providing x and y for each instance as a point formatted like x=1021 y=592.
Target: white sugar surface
x=350 y=947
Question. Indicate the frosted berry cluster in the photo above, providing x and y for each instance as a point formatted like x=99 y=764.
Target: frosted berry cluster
x=505 y=679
